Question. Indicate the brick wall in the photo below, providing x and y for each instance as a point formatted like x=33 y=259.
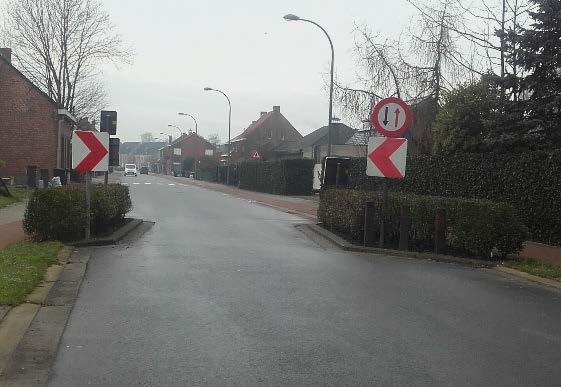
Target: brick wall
x=28 y=124
x=194 y=147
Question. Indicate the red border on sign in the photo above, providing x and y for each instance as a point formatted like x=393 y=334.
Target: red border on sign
x=380 y=128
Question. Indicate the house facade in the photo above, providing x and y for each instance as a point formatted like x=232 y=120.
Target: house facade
x=266 y=138
x=188 y=146
x=314 y=145
x=34 y=133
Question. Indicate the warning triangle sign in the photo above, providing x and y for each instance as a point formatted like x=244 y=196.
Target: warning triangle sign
x=255 y=155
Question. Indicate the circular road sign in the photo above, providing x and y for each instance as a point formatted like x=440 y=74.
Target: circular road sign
x=391 y=117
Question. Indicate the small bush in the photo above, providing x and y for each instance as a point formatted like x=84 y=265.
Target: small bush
x=474 y=227
x=60 y=214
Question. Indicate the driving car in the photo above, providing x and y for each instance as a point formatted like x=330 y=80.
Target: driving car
x=130 y=170
x=143 y=170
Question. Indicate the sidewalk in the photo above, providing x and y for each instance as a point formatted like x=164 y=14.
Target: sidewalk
x=11 y=229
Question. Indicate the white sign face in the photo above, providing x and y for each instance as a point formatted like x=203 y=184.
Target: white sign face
x=90 y=151
x=177 y=151
x=209 y=152
x=391 y=117
x=387 y=157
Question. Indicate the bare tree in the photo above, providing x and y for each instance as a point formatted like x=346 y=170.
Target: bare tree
x=58 y=44
x=214 y=139
x=414 y=69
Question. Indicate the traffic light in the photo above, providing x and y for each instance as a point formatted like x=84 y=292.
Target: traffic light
x=108 y=122
x=114 y=144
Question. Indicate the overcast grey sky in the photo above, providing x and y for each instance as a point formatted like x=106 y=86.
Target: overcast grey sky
x=244 y=48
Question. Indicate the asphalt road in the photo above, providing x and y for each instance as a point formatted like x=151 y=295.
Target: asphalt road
x=222 y=291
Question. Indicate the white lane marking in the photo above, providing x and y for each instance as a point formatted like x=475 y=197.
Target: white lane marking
x=171 y=184
x=147 y=183
x=136 y=183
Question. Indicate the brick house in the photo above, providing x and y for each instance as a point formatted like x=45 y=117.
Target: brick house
x=34 y=132
x=270 y=133
x=188 y=146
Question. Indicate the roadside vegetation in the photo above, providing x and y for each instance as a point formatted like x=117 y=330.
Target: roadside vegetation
x=18 y=195
x=22 y=267
x=531 y=266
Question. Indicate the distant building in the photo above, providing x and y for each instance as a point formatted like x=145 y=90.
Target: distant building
x=35 y=133
x=140 y=153
x=314 y=145
x=270 y=137
x=188 y=146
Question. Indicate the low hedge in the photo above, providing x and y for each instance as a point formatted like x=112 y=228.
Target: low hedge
x=529 y=181
x=60 y=214
x=474 y=227
x=283 y=177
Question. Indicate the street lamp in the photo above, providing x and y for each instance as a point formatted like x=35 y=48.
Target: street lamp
x=229 y=131
x=176 y=127
x=291 y=17
x=196 y=125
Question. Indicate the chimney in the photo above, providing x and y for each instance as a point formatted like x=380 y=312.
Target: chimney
x=6 y=53
x=263 y=113
x=276 y=109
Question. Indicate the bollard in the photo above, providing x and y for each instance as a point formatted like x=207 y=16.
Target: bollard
x=404 y=223
x=369 y=211
x=440 y=231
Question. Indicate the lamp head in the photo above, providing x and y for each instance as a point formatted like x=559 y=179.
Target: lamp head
x=208 y=88
x=291 y=17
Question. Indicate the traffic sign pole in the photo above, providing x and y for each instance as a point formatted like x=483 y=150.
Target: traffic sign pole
x=88 y=204
x=387 y=156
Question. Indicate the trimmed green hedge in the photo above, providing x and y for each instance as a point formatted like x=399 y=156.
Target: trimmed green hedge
x=60 y=214
x=530 y=182
x=283 y=177
x=474 y=227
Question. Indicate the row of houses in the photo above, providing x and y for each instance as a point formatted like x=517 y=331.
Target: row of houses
x=270 y=137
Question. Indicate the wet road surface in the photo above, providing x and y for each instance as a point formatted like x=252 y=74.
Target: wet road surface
x=221 y=291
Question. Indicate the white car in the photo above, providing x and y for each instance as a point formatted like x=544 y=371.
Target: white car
x=130 y=170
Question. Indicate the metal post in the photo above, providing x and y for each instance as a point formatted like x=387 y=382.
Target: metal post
x=88 y=203
x=229 y=139
x=383 y=213
x=106 y=178
x=440 y=231
x=338 y=175
x=369 y=212
x=404 y=221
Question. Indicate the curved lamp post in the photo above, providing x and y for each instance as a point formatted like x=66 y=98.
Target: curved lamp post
x=291 y=17
x=176 y=127
x=196 y=125
x=229 y=131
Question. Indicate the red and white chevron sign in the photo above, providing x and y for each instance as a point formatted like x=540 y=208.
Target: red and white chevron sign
x=387 y=157
x=90 y=151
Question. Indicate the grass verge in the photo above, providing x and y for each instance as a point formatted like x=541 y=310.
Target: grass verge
x=18 y=194
x=22 y=267
x=531 y=266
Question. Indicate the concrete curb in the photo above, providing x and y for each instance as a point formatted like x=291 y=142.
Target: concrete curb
x=113 y=238
x=529 y=277
x=30 y=361
x=344 y=245
x=347 y=246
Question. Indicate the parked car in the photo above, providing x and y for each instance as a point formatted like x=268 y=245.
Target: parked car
x=143 y=170
x=130 y=170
